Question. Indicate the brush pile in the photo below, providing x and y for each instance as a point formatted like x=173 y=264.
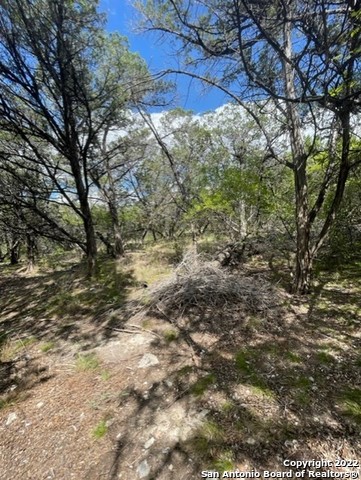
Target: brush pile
x=199 y=285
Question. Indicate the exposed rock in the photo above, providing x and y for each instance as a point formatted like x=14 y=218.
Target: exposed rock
x=143 y=469
x=148 y=360
x=118 y=351
x=149 y=443
x=177 y=424
x=141 y=339
x=251 y=441
x=11 y=418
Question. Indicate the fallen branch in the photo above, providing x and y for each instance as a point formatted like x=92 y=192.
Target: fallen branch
x=203 y=286
x=138 y=330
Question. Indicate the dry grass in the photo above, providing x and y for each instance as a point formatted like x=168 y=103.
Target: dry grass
x=11 y=348
x=148 y=267
x=272 y=390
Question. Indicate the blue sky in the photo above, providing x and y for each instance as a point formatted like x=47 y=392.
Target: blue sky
x=190 y=95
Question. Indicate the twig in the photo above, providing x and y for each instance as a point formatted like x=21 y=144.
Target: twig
x=199 y=285
x=143 y=329
x=124 y=330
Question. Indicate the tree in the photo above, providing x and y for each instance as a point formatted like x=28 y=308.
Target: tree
x=166 y=183
x=28 y=191
x=305 y=57
x=44 y=89
x=63 y=83
x=112 y=155
x=234 y=187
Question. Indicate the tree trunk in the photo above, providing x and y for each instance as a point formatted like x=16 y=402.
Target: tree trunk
x=108 y=244
x=14 y=252
x=109 y=193
x=304 y=260
x=303 y=268
x=118 y=239
x=82 y=191
x=91 y=244
x=30 y=251
x=242 y=220
x=30 y=239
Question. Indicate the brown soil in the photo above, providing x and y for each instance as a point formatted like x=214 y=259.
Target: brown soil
x=105 y=390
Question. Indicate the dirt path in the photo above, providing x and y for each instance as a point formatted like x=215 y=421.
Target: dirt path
x=111 y=395
x=113 y=419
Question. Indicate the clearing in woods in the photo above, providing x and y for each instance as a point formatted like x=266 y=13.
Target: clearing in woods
x=206 y=369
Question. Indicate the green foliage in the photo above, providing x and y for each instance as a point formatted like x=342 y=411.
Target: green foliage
x=87 y=362
x=170 y=335
x=9 y=348
x=4 y=403
x=293 y=357
x=344 y=243
x=46 y=347
x=351 y=404
x=100 y=430
x=243 y=362
x=3 y=337
x=105 y=375
x=224 y=462
x=212 y=431
x=262 y=390
x=101 y=218
x=203 y=384
x=301 y=382
x=325 y=358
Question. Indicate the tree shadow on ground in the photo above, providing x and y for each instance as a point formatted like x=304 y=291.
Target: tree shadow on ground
x=19 y=376
x=251 y=419
x=274 y=388
x=258 y=387
x=54 y=310
x=63 y=305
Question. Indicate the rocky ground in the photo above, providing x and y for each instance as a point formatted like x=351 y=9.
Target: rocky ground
x=95 y=386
